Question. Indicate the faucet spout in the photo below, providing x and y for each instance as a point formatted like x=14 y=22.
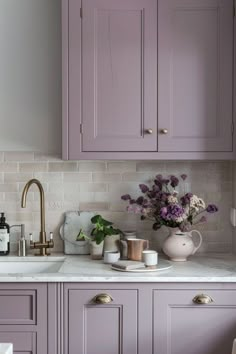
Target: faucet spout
x=43 y=244
x=42 y=200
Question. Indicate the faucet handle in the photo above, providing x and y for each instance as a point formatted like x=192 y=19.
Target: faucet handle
x=31 y=237
x=51 y=236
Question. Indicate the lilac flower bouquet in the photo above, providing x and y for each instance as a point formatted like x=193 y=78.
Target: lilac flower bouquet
x=162 y=204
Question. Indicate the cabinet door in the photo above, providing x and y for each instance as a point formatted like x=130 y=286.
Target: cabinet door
x=195 y=75
x=102 y=329
x=180 y=326
x=119 y=75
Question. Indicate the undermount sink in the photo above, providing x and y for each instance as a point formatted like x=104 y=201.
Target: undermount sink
x=30 y=266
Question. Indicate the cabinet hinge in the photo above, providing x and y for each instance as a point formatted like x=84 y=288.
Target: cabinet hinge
x=81 y=128
x=81 y=13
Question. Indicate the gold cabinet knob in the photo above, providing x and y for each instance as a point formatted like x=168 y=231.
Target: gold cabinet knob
x=202 y=299
x=102 y=299
x=164 y=131
x=149 y=131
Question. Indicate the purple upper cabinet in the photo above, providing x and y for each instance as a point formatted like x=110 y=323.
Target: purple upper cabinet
x=115 y=45
x=195 y=80
x=119 y=65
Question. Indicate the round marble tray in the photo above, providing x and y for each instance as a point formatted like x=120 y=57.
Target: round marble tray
x=162 y=265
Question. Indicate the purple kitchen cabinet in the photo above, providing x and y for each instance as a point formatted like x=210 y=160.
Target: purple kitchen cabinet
x=195 y=75
x=147 y=79
x=181 y=326
x=23 y=317
x=105 y=328
x=111 y=76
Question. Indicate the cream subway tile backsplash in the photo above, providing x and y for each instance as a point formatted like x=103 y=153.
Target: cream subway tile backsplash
x=18 y=156
x=77 y=177
x=17 y=177
x=106 y=177
x=9 y=187
x=117 y=166
x=98 y=186
x=62 y=166
x=33 y=167
x=92 y=166
x=94 y=206
x=8 y=166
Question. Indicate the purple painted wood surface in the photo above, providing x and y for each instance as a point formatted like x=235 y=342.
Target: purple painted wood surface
x=23 y=317
x=101 y=329
x=199 y=138
x=195 y=77
x=23 y=342
x=180 y=326
x=119 y=69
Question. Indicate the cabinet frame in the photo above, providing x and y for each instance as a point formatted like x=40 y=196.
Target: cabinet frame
x=71 y=83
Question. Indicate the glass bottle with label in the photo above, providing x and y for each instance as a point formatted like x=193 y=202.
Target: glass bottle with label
x=4 y=236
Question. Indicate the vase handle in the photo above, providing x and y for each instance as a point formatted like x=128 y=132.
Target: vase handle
x=200 y=240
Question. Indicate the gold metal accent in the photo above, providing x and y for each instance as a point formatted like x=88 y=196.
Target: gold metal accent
x=202 y=299
x=149 y=131
x=164 y=131
x=43 y=244
x=102 y=299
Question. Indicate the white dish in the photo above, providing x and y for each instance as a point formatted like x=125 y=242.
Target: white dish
x=162 y=265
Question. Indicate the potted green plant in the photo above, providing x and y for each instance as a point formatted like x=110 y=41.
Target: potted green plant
x=105 y=235
x=83 y=242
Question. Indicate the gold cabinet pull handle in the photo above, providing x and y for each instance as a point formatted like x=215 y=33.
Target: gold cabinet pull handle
x=202 y=299
x=149 y=131
x=102 y=299
x=164 y=131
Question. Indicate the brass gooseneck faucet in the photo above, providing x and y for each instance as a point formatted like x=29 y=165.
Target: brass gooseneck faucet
x=43 y=244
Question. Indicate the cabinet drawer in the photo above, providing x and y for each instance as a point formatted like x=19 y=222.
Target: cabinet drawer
x=23 y=343
x=17 y=307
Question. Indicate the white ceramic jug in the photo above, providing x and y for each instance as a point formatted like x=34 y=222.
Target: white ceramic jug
x=179 y=245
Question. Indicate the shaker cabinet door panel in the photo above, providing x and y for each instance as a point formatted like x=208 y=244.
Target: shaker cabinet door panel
x=109 y=328
x=195 y=75
x=181 y=326
x=119 y=75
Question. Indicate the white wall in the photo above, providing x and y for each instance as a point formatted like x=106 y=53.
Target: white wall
x=30 y=75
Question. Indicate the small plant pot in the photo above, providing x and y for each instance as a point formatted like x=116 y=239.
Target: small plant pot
x=82 y=247
x=96 y=251
x=112 y=243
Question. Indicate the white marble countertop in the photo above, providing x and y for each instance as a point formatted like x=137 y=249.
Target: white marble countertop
x=208 y=268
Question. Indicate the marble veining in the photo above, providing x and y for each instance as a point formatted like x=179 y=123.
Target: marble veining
x=214 y=268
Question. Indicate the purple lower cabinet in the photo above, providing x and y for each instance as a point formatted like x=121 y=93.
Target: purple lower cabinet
x=107 y=327
x=184 y=327
x=23 y=317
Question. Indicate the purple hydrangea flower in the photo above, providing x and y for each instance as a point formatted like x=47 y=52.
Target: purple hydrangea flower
x=144 y=188
x=211 y=208
x=171 y=212
x=174 y=181
x=183 y=176
x=185 y=200
x=125 y=197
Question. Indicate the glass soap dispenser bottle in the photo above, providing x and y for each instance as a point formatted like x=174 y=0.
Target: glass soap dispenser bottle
x=4 y=236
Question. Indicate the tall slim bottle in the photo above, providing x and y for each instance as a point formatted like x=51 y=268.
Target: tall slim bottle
x=4 y=236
